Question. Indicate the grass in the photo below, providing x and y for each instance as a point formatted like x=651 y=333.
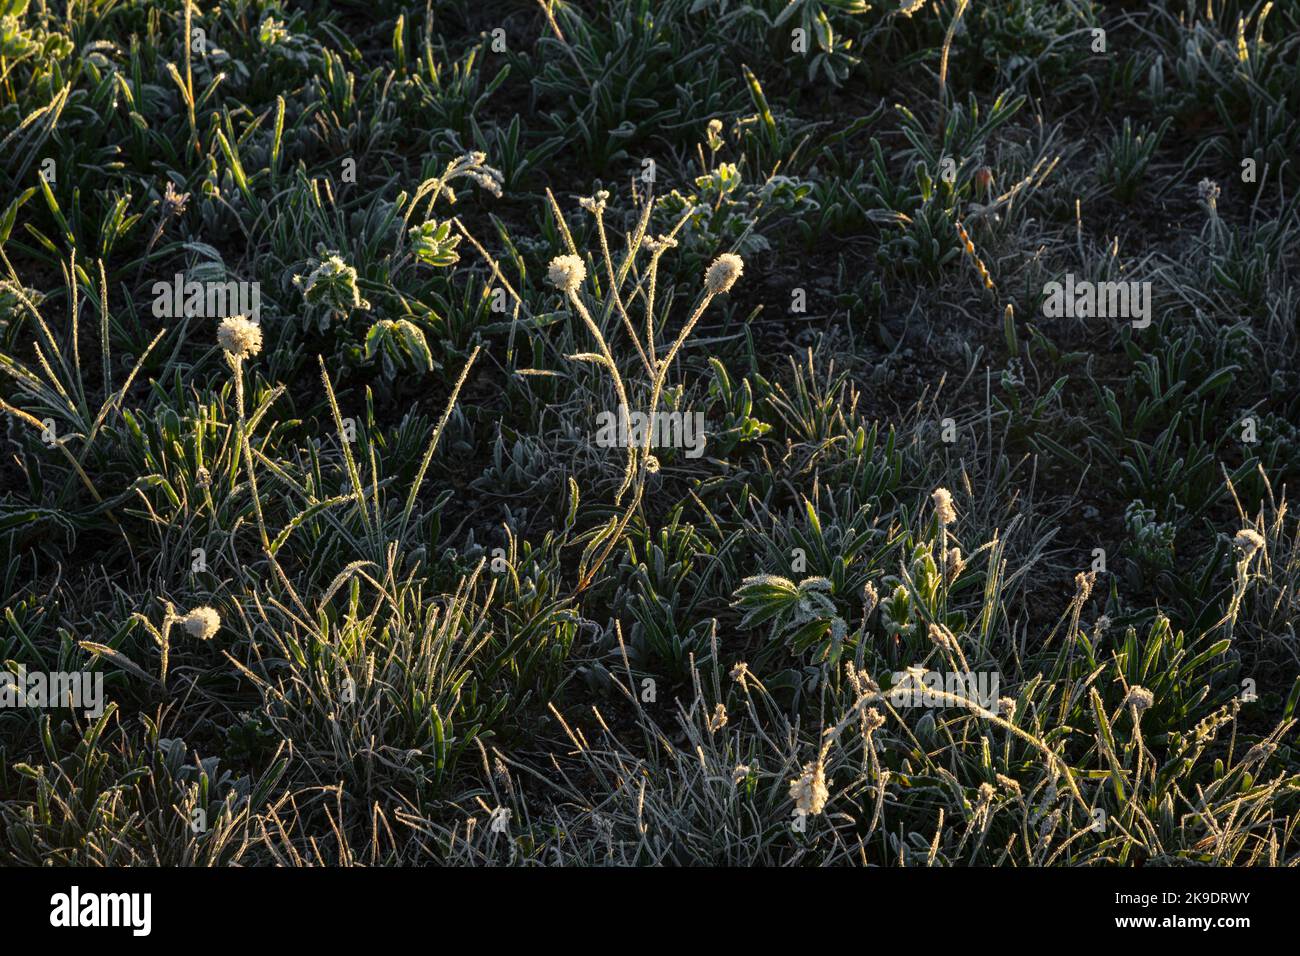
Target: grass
x=362 y=582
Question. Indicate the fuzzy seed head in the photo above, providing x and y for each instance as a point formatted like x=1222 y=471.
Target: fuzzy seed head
x=239 y=337
x=723 y=273
x=202 y=623
x=870 y=598
x=1011 y=785
x=1139 y=698
x=954 y=564
x=943 y=506
x=938 y=636
x=658 y=246
x=567 y=273
x=173 y=203
x=808 y=791
x=718 y=720
x=1249 y=542
x=595 y=204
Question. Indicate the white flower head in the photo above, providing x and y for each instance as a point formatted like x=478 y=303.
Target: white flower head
x=595 y=204
x=718 y=720
x=202 y=623
x=943 y=506
x=1139 y=698
x=954 y=564
x=714 y=135
x=870 y=598
x=567 y=273
x=239 y=336
x=808 y=791
x=488 y=179
x=1249 y=542
x=723 y=273
x=657 y=246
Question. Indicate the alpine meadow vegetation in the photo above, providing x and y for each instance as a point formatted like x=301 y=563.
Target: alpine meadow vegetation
x=649 y=433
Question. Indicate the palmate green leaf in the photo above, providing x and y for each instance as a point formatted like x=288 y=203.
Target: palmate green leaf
x=434 y=244
x=764 y=597
x=401 y=344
